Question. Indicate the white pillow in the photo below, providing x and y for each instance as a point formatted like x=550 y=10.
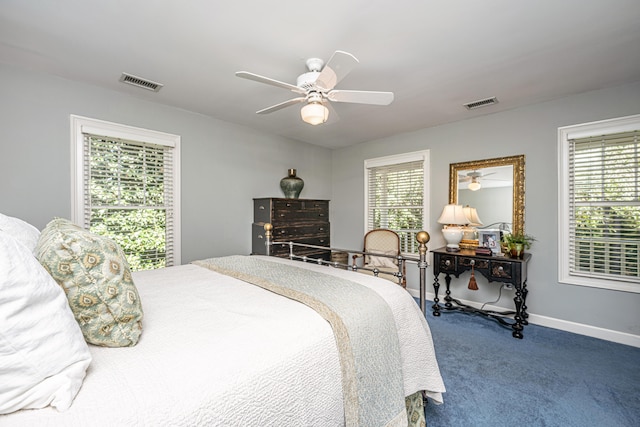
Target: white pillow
x=20 y=230
x=43 y=355
x=379 y=261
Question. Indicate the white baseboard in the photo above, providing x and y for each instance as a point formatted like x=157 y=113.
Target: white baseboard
x=563 y=325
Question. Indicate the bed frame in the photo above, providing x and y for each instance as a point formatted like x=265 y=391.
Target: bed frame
x=422 y=237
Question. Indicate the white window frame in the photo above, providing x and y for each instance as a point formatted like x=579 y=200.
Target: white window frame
x=81 y=125
x=603 y=127
x=393 y=160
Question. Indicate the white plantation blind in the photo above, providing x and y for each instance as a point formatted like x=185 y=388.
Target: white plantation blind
x=395 y=200
x=604 y=206
x=129 y=196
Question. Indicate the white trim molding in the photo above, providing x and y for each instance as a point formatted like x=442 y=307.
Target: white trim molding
x=603 y=127
x=550 y=322
x=80 y=125
x=395 y=159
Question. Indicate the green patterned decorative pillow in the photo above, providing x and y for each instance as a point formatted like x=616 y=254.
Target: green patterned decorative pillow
x=96 y=278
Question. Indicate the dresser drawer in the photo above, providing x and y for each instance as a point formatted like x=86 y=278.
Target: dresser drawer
x=262 y=210
x=282 y=251
x=297 y=232
x=502 y=270
x=456 y=264
x=447 y=263
x=290 y=210
x=474 y=262
x=300 y=210
x=310 y=235
x=301 y=205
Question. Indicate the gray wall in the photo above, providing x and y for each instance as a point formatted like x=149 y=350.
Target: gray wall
x=531 y=131
x=493 y=204
x=223 y=166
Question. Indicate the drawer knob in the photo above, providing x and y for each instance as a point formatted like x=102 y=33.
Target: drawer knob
x=500 y=269
x=260 y=236
x=473 y=262
x=447 y=263
x=261 y=207
x=288 y=205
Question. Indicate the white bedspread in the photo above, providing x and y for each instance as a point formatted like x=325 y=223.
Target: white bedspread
x=216 y=351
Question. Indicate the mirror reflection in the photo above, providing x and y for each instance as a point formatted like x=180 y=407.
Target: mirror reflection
x=490 y=192
x=494 y=187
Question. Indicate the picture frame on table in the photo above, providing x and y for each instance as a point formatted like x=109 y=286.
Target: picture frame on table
x=490 y=238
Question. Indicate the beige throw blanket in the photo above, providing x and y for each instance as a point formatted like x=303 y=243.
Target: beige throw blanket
x=363 y=326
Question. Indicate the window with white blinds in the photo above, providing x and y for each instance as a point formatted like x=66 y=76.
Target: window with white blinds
x=128 y=192
x=603 y=208
x=396 y=196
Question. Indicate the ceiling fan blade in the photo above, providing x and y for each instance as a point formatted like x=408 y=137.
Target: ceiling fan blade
x=339 y=65
x=361 y=97
x=267 y=80
x=281 y=105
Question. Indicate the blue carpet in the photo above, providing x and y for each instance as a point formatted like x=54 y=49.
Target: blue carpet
x=549 y=378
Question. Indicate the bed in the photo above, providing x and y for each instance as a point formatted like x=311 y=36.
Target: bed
x=215 y=349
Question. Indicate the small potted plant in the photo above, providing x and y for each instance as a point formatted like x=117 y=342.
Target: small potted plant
x=516 y=243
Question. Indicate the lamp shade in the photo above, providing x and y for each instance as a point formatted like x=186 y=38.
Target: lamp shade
x=453 y=215
x=472 y=216
x=314 y=113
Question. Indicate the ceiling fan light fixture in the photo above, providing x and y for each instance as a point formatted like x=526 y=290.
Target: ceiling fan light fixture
x=474 y=186
x=314 y=113
x=316 y=88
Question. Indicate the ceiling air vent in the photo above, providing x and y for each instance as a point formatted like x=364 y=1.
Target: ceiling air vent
x=140 y=82
x=481 y=103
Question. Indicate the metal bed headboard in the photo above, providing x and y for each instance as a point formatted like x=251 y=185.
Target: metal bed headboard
x=422 y=237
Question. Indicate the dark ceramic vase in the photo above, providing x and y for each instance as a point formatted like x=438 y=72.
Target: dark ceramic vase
x=291 y=185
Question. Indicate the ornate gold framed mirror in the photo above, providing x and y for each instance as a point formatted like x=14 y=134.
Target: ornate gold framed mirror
x=494 y=187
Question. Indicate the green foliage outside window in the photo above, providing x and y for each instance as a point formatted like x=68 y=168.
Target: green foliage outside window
x=607 y=214
x=126 y=192
x=140 y=234
x=398 y=203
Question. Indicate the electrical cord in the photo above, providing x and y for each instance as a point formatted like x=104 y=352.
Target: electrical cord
x=503 y=226
x=493 y=302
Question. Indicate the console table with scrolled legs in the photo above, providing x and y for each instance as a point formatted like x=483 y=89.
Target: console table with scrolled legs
x=495 y=269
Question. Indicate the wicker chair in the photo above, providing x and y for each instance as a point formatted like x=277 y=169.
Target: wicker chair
x=385 y=242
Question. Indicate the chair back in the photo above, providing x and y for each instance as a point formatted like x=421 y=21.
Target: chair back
x=382 y=241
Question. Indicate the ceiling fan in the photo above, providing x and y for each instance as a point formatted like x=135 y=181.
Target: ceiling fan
x=474 y=175
x=474 y=179
x=316 y=88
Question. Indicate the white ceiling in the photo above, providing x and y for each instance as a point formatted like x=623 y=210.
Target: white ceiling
x=435 y=55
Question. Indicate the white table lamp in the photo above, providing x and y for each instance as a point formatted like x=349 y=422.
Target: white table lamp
x=472 y=215
x=453 y=218
x=469 y=232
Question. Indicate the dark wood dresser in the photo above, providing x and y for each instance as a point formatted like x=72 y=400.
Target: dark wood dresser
x=295 y=220
x=510 y=271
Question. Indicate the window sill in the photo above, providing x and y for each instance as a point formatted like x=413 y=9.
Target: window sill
x=611 y=285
